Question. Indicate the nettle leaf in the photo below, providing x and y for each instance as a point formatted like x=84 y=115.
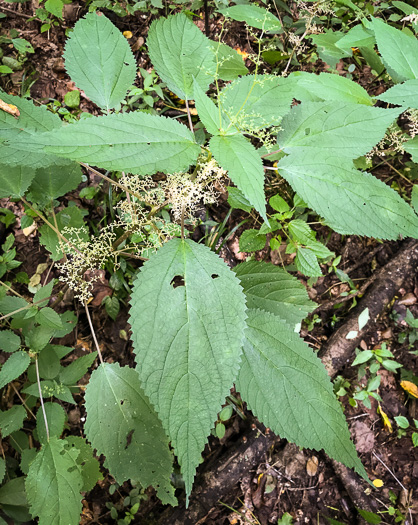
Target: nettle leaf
x=307 y=263
x=211 y=116
x=12 y=420
x=255 y=102
x=412 y=147
x=53 y=485
x=405 y=94
x=399 y=51
x=327 y=47
x=187 y=343
x=358 y=36
x=52 y=182
x=352 y=202
x=326 y=86
x=272 y=289
x=229 y=63
x=87 y=464
x=245 y=168
x=336 y=129
x=122 y=425
x=179 y=51
x=15 y=365
x=134 y=142
x=32 y=120
x=254 y=16
x=14 y=180
x=288 y=389
x=55 y=416
x=251 y=241
x=99 y=60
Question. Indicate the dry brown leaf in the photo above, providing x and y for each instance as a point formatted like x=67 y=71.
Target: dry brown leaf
x=364 y=437
x=312 y=466
x=9 y=108
x=408 y=299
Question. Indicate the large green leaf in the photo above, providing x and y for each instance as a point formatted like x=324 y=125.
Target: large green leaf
x=254 y=102
x=53 y=485
x=254 y=16
x=179 y=51
x=32 y=120
x=358 y=36
x=288 y=389
x=210 y=115
x=272 y=289
x=399 y=51
x=352 y=202
x=99 y=60
x=405 y=94
x=14 y=180
x=336 y=129
x=244 y=166
x=134 y=142
x=122 y=425
x=230 y=64
x=187 y=319
x=327 y=87
x=54 y=181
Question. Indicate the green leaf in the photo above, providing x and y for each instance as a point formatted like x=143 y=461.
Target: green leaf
x=307 y=263
x=49 y=317
x=255 y=102
x=414 y=197
x=10 y=304
x=9 y=341
x=55 y=7
x=352 y=202
x=179 y=51
x=370 y=517
x=210 y=115
x=88 y=465
x=401 y=421
x=362 y=357
x=236 y=155
x=71 y=217
x=71 y=374
x=43 y=294
x=32 y=120
x=15 y=365
x=327 y=48
x=327 y=87
x=412 y=147
x=52 y=182
x=254 y=16
x=405 y=94
x=230 y=63
x=288 y=389
x=112 y=306
x=2 y=469
x=336 y=129
x=13 y=493
x=279 y=204
x=38 y=337
x=134 y=142
x=237 y=200
x=49 y=363
x=358 y=36
x=99 y=60
x=12 y=420
x=251 y=241
x=14 y=180
x=188 y=369
x=399 y=51
x=272 y=289
x=56 y=416
x=72 y=99
x=122 y=425
x=53 y=485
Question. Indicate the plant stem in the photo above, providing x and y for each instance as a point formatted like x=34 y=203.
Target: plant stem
x=38 y=380
x=189 y=117
x=93 y=333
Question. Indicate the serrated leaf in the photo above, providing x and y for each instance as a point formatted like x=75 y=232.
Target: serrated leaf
x=48 y=363
x=56 y=416
x=13 y=493
x=337 y=129
x=49 y=318
x=43 y=294
x=251 y=241
x=405 y=94
x=254 y=16
x=53 y=485
x=122 y=425
x=257 y=102
x=352 y=202
x=134 y=142
x=210 y=115
x=288 y=389
x=72 y=373
x=358 y=36
x=237 y=200
x=55 y=7
x=179 y=51
x=99 y=60
x=230 y=63
x=307 y=263
x=326 y=86
x=12 y=420
x=52 y=182
x=15 y=365
x=187 y=344
x=272 y=289
x=32 y=120
x=244 y=166
x=399 y=51
x=9 y=341
x=88 y=465
x=327 y=47
x=14 y=180
x=412 y=147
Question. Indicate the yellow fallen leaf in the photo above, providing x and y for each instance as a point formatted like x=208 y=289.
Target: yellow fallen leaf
x=9 y=108
x=127 y=34
x=409 y=387
x=386 y=422
x=244 y=54
x=378 y=483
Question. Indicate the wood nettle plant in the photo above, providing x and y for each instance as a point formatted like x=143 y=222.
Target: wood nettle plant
x=199 y=327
